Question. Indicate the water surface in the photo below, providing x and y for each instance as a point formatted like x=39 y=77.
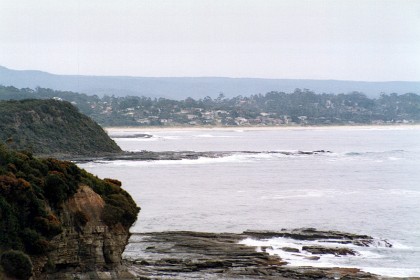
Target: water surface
x=369 y=183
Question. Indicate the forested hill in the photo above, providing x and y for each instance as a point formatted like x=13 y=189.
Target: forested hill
x=52 y=127
x=301 y=107
x=178 y=88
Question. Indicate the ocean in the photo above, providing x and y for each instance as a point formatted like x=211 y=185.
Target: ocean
x=367 y=182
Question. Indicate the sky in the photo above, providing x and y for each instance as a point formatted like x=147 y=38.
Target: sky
x=364 y=40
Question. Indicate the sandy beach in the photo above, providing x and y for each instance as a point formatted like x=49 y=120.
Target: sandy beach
x=259 y=128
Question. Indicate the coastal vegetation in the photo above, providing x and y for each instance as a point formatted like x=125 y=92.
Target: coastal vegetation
x=301 y=107
x=32 y=194
x=52 y=127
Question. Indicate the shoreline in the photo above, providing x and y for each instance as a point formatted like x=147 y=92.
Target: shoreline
x=256 y=128
x=207 y=255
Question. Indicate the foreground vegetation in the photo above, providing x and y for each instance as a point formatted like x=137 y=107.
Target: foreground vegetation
x=302 y=107
x=32 y=191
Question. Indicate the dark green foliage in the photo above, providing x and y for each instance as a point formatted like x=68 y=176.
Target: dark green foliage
x=125 y=204
x=34 y=243
x=55 y=188
x=9 y=226
x=25 y=222
x=112 y=215
x=48 y=225
x=52 y=127
x=16 y=264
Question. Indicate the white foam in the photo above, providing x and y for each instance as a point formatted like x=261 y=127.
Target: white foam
x=405 y=193
x=286 y=196
x=204 y=136
x=394 y=158
x=234 y=158
x=201 y=160
x=170 y=137
x=138 y=139
x=365 y=255
x=392 y=271
x=213 y=136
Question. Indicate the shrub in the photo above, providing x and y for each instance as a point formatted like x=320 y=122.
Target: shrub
x=55 y=188
x=16 y=264
x=49 y=225
x=125 y=203
x=113 y=181
x=34 y=243
x=112 y=215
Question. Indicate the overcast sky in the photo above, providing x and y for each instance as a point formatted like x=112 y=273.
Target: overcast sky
x=372 y=40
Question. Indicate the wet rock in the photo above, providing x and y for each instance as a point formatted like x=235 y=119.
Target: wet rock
x=290 y=249
x=138 y=135
x=198 y=255
x=179 y=155
x=311 y=234
x=321 y=250
x=313 y=258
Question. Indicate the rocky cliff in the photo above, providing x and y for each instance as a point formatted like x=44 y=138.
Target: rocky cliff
x=71 y=224
x=87 y=248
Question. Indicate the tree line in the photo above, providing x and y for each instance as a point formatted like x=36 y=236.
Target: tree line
x=301 y=107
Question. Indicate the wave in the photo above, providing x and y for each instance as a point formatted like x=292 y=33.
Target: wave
x=306 y=194
x=393 y=271
x=368 y=153
x=374 y=259
x=201 y=160
x=213 y=136
x=140 y=139
x=377 y=156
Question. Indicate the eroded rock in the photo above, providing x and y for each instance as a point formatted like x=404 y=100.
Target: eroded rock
x=197 y=255
x=321 y=250
x=89 y=250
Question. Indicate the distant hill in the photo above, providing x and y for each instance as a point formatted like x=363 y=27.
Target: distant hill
x=181 y=88
x=51 y=127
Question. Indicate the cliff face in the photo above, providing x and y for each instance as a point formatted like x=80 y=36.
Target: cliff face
x=87 y=247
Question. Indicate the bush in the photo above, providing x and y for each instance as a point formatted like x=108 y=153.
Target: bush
x=113 y=181
x=112 y=215
x=125 y=203
x=16 y=264
x=34 y=243
x=55 y=188
x=48 y=226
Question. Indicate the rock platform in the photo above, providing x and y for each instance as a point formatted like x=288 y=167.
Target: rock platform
x=200 y=255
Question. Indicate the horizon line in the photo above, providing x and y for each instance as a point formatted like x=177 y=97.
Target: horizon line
x=204 y=77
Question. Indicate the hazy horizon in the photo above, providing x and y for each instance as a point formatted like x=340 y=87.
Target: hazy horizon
x=350 y=40
x=192 y=77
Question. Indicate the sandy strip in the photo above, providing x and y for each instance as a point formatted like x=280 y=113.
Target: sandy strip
x=263 y=128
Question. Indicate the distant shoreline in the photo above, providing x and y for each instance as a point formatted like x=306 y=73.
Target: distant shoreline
x=256 y=128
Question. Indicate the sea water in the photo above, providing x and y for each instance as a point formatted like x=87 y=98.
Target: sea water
x=367 y=182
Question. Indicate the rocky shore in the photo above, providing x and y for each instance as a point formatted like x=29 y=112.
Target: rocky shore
x=198 y=255
x=180 y=155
